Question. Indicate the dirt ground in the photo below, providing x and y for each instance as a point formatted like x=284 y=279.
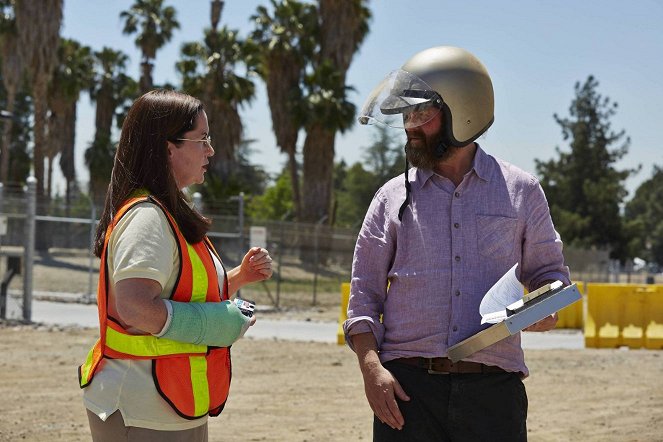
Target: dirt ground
x=296 y=391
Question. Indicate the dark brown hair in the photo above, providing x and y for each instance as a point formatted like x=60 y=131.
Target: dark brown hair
x=141 y=160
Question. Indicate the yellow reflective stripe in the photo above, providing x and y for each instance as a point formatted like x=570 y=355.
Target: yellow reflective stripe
x=87 y=366
x=199 y=384
x=148 y=346
x=199 y=276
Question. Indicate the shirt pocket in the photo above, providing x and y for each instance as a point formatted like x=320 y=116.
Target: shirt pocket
x=496 y=235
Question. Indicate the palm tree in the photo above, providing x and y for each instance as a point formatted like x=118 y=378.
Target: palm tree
x=209 y=71
x=12 y=68
x=156 y=24
x=38 y=27
x=343 y=27
x=287 y=40
x=72 y=75
x=327 y=111
x=112 y=90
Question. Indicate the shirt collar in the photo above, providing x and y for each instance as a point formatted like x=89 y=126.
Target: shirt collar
x=480 y=166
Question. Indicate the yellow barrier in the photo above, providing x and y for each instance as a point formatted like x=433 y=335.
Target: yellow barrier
x=572 y=315
x=345 y=298
x=624 y=315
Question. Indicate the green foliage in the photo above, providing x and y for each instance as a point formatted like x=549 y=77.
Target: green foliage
x=583 y=187
x=209 y=68
x=275 y=203
x=112 y=89
x=386 y=156
x=156 y=24
x=99 y=160
x=644 y=219
x=74 y=71
x=326 y=101
x=21 y=135
x=355 y=187
x=246 y=177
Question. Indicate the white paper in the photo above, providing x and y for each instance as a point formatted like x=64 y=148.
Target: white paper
x=507 y=292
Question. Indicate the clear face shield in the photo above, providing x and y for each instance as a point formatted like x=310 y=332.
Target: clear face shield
x=402 y=100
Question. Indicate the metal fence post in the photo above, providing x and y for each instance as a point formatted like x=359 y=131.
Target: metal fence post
x=316 y=254
x=93 y=224
x=197 y=201
x=29 y=251
x=241 y=223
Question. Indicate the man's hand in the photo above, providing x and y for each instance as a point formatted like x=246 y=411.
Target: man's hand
x=546 y=324
x=381 y=391
x=380 y=385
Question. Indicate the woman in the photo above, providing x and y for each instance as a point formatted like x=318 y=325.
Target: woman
x=162 y=363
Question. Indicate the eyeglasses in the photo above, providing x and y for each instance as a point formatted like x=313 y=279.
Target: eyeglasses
x=207 y=140
x=419 y=117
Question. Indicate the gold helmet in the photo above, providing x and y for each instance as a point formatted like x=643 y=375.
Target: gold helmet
x=445 y=78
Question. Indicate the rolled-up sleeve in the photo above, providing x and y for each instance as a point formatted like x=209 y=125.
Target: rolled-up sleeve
x=373 y=257
x=542 y=246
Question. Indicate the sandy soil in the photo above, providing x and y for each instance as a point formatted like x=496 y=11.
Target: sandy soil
x=287 y=391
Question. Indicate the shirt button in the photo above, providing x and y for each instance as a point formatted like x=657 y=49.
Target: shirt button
x=457 y=292
x=457 y=258
x=456 y=225
x=455 y=328
x=457 y=194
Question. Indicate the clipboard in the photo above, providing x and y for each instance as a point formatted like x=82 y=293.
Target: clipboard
x=537 y=305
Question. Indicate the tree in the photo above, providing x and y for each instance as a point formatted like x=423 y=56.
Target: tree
x=355 y=187
x=72 y=75
x=583 y=186
x=275 y=203
x=644 y=219
x=247 y=178
x=287 y=40
x=157 y=24
x=12 y=69
x=38 y=27
x=343 y=27
x=210 y=71
x=19 y=139
x=354 y=191
x=385 y=158
x=112 y=90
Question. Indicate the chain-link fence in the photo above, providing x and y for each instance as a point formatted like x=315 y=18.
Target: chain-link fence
x=310 y=260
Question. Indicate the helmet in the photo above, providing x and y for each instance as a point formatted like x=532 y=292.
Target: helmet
x=446 y=78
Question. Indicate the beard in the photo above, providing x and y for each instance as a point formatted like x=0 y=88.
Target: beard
x=421 y=151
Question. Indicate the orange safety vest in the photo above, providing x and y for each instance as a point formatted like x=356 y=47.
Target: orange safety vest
x=193 y=379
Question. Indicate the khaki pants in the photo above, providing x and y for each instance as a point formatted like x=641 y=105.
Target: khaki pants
x=114 y=430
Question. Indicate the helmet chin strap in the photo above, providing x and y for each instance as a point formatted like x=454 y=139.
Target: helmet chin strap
x=441 y=148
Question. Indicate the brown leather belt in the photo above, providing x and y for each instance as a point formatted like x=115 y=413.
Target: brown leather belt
x=445 y=366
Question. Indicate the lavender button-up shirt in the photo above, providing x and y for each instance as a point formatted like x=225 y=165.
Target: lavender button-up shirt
x=427 y=274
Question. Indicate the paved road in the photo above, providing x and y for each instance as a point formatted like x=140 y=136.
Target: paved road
x=62 y=313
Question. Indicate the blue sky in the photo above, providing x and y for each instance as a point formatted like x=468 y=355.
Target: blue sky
x=534 y=50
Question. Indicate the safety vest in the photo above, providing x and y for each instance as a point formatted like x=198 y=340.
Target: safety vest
x=193 y=379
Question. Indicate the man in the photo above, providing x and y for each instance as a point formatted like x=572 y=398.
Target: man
x=430 y=247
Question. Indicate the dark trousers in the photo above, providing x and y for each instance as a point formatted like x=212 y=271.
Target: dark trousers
x=457 y=407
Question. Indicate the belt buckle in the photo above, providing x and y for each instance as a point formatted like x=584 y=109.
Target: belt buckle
x=435 y=372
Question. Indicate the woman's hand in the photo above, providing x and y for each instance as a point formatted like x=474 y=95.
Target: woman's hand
x=256 y=266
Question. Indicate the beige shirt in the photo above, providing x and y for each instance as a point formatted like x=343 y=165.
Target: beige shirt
x=141 y=246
